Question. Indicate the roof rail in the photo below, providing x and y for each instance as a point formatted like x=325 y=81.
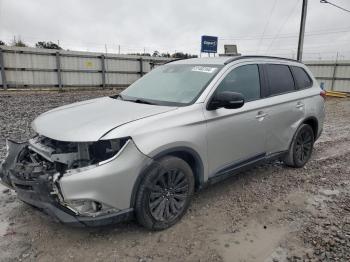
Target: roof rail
x=257 y=56
x=166 y=62
x=176 y=59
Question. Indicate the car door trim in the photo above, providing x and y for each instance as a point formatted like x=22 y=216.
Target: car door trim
x=260 y=107
x=232 y=166
x=238 y=167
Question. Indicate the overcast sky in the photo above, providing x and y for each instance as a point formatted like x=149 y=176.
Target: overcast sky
x=256 y=26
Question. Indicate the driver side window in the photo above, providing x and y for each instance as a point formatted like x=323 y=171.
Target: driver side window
x=245 y=80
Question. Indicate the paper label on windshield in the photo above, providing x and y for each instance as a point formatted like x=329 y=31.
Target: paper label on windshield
x=204 y=69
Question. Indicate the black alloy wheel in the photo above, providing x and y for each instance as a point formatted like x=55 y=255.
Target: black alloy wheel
x=164 y=193
x=301 y=147
x=168 y=195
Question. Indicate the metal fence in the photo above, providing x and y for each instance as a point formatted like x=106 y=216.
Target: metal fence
x=335 y=75
x=31 y=67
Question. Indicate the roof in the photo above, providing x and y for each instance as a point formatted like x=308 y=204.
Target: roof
x=224 y=60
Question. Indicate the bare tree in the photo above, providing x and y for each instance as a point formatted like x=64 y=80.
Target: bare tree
x=18 y=43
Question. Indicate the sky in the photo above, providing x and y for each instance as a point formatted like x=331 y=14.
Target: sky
x=264 y=27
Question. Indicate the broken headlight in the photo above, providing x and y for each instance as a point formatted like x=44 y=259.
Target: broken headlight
x=98 y=153
x=105 y=150
x=75 y=155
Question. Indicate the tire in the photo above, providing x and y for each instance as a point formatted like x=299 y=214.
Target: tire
x=164 y=194
x=301 y=147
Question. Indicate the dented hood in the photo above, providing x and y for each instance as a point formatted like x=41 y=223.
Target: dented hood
x=90 y=120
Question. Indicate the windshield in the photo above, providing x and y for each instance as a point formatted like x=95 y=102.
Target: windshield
x=172 y=84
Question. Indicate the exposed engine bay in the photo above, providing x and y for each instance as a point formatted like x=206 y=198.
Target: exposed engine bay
x=37 y=166
x=71 y=155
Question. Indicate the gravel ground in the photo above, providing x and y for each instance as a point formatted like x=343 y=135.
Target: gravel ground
x=270 y=213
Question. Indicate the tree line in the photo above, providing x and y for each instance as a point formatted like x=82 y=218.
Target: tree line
x=40 y=44
x=52 y=45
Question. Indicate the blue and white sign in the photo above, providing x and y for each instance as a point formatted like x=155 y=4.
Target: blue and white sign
x=209 y=44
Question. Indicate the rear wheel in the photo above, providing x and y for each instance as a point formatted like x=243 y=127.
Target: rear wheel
x=301 y=148
x=165 y=193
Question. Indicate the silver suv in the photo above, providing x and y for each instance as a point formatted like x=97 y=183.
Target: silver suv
x=184 y=125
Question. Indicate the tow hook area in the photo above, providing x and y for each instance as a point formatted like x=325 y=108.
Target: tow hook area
x=31 y=176
x=13 y=150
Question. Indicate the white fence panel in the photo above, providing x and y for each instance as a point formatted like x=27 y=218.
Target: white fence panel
x=27 y=78
x=81 y=79
x=123 y=79
x=80 y=63
x=33 y=67
x=19 y=60
x=335 y=75
x=122 y=65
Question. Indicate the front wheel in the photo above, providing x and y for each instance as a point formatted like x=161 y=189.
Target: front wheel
x=301 y=148
x=164 y=194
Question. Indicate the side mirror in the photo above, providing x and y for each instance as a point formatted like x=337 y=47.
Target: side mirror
x=226 y=99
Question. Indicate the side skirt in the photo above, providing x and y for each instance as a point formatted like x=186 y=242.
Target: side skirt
x=239 y=167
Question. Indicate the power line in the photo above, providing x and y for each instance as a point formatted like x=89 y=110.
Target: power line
x=289 y=35
x=282 y=26
x=285 y=36
x=266 y=25
x=327 y=2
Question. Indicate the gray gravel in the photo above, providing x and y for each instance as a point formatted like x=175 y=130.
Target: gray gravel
x=270 y=213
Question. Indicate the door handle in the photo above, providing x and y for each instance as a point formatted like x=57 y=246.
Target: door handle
x=299 y=105
x=260 y=115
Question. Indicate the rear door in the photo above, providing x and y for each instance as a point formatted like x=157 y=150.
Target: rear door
x=285 y=108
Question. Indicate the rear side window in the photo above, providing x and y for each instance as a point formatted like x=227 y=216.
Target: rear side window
x=245 y=80
x=302 y=79
x=280 y=79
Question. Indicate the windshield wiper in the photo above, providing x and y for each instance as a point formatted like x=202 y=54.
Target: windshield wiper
x=117 y=96
x=142 y=101
x=138 y=100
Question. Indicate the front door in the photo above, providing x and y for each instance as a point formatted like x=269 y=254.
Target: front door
x=236 y=136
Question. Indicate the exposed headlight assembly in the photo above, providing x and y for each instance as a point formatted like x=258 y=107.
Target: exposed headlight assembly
x=97 y=153
x=72 y=157
x=107 y=150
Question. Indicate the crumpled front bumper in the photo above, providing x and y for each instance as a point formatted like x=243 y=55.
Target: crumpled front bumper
x=37 y=194
x=38 y=191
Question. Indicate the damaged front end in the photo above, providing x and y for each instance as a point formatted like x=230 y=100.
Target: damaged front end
x=34 y=170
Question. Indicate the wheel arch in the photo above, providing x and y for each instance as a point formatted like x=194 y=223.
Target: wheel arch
x=313 y=122
x=189 y=155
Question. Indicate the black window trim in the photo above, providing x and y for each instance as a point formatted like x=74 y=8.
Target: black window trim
x=296 y=82
x=264 y=85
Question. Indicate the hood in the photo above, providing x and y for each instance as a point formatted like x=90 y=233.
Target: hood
x=90 y=120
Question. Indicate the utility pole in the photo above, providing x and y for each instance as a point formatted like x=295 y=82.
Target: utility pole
x=302 y=31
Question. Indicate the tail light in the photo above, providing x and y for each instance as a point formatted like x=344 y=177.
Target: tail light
x=323 y=94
